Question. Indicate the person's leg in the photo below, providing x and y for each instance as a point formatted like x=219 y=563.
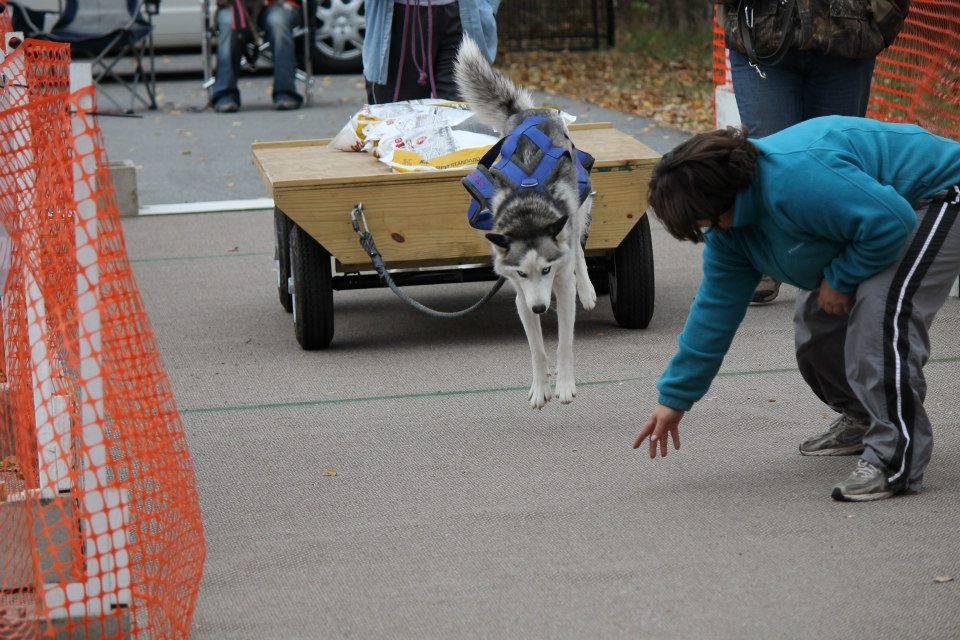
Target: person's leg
x=447 y=35
x=768 y=104
x=279 y=21
x=819 y=341
x=225 y=96
x=888 y=345
x=836 y=86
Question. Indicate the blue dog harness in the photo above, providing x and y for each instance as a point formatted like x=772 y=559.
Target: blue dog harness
x=480 y=184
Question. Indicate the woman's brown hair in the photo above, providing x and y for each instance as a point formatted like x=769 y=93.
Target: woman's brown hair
x=699 y=180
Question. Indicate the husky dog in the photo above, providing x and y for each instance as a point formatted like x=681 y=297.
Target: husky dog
x=537 y=233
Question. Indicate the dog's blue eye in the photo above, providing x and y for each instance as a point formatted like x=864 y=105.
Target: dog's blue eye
x=521 y=274
x=545 y=271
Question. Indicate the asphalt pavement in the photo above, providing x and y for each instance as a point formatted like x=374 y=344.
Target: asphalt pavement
x=397 y=485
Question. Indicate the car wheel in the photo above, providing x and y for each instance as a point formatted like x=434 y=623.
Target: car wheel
x=338 y=36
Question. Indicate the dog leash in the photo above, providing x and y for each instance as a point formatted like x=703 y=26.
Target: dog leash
x=359 y=222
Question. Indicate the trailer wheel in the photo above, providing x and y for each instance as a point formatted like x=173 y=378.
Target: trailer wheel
x=631 y=278
x=281 y=257
x=312 y=291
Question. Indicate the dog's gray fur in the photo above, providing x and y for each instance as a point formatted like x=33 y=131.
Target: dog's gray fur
x=536 y=239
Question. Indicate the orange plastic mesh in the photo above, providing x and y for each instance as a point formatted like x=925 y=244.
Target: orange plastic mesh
x=917 y=79
x=100 y=528
x=6 y=23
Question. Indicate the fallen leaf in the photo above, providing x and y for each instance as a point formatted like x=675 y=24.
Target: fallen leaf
x=772 y=400
x=231 y=185
x=329 y=472
x=233 y=250
x=943 y=579
x=186 y=152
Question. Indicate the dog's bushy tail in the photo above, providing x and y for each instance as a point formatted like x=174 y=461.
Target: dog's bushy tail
x=492 y=95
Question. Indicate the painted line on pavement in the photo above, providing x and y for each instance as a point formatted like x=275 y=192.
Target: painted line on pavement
x=213 y=206
x=182 y=258
x=469 y=392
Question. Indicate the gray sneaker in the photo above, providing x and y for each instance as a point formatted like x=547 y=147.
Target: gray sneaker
x=767 y=291
x=867 y=482
x=844 y=437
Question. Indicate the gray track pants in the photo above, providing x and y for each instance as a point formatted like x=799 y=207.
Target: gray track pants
x=869 y=365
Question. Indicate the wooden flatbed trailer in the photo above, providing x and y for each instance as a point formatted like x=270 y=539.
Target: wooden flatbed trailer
x=419 y=222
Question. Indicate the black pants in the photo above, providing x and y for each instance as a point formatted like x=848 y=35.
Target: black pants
x=414 y=84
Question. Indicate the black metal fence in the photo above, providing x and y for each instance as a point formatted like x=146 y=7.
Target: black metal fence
x=555 y=24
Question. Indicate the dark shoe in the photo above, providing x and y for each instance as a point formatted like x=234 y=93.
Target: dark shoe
x=287 y=102
x=844 y=437
x=226 y=105
x=866 y=483
x=767 y=291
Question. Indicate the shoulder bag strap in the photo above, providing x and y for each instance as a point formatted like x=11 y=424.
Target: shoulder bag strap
x=745 y=22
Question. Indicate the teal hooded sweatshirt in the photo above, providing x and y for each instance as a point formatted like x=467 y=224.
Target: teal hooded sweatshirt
x=832 y=199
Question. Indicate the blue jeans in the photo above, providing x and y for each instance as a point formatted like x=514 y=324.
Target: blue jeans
x=804 y=85
x=278 y=21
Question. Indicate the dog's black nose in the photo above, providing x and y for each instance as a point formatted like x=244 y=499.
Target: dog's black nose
x=540 y=308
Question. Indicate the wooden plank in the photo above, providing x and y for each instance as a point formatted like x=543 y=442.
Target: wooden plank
x=421 y=217
x=281 y=144
x=582 y=126
x=419 y=221
x=300 y=164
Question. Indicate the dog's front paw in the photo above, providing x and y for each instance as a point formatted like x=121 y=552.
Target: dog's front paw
x=588 y=298
x=539 y=394
x=587 y=294
x=566 y=389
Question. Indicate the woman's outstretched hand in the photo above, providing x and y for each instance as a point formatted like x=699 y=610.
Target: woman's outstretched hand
x=661 y=421
x=832 y=301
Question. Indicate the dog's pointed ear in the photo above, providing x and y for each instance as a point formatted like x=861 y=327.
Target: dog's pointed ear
x=554 y=228
x=499 y=239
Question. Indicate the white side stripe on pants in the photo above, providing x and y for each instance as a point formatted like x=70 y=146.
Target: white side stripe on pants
x=896 y=338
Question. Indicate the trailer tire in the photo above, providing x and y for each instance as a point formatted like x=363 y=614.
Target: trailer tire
x=281 y=257
x=631 y=278
x=312 y=291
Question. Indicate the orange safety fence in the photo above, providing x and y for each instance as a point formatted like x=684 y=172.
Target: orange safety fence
x=6 y=22
x=100 y=527
x=915 y=80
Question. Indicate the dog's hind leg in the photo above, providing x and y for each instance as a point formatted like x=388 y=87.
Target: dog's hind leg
x=565 y=289
x=585 y=290
x=540 y=389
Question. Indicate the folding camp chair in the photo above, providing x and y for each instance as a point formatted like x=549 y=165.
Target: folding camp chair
x=259 y=47
x=107 y=31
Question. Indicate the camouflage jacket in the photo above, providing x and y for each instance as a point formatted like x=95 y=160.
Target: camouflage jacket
x=843 y=28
